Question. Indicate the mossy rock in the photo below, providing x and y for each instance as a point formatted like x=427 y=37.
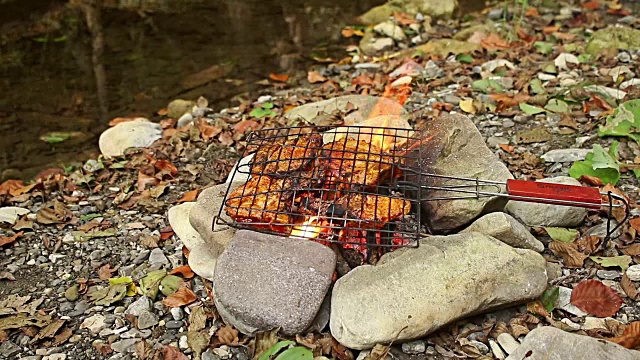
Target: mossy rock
x=432 y=8
x=624 y=38
x=444 y=47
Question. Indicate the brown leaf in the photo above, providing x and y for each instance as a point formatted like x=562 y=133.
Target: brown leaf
x=632 y=250
x=105 y=271
x=510 y=100
x=226 y=138
x=102 y=348
x=10 y=239
x=208 y=131
x=119 y=120
x=143 y=349
x=9 y=185
x=339 y=351
x=570 y=255
x=588 y=244
x=184 y=270
x=591 y=5
x=171 y=353
x=518 y=327
x=189 y=196
x=181 y=297
x=618 y=212
x=166 y=167
x=145 y=180
x=315 y=77
x=494 y=42
x=166 y=233
x=362 y=79
x=54 y=212
x=5 y=275
x=591 y=180
x=537 y=308
x=228 y=335
x=243 y=125
x=628 y=287
x=635 y=223
x=279 y=77
x=630 y=338
x=23 y=190
x=62 y=336
x=150 y=242
x=596 y=298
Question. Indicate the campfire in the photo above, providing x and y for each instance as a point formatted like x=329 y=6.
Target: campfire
x=338 y=186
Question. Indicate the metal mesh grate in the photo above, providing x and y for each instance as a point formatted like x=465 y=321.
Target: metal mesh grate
x=336 y=186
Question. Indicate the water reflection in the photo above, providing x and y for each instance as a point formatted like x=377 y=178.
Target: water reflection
x=64 y=66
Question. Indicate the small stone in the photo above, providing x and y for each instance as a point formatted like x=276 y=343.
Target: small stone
x=9 y=349
x=209 y=355
x=624 y=57
x=565 y=155
x=481 y=347
x=414 y=347
x=177 y=313
x=94 y=323
x=495 y=14
x=124 y=346
x=56 y=356
x=381 y=44
x=136 y=308
x=390 y=29
x=508 y=342
x=591 y=323
x=183 y=342
x=508 y=124
x=10 y=214
x=72 y=293
x=546 y=77
x=633 y=272
x=608 y=274
x=157 y=257
x=174 y=324
x=147 y=319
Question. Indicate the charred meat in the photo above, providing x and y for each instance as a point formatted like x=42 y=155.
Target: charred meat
x=374 y=210
x=294 y=155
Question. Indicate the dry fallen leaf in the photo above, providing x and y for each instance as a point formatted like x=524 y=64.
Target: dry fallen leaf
x=189 y=196
x=119 y=120
x=508 y=100
x=145 y=180
x=630 y=337
x=166 y=167
x=181 y=297
x=5 y=240
x=596 y=298
x=628 y=287
x=54 y=212
x=184 y=270
x=10 y=185
x=5 y=275
x=618 y=212
x=244 y=125
x=171 y=353
x=315 y=77
x=228 y=335
x=494 y=42
x=208 y=131
x=105 y=271
x=279 y=77
x=570 y=255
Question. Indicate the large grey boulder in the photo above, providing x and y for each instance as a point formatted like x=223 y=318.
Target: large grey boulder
x=412 y=292
x=457 y=149
x=550 y=343
x=534 y=214
x=138 y=133
x=365 y=107
x=263 y=282
x=506 y=229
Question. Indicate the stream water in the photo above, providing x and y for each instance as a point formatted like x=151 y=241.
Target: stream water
x=67 y=67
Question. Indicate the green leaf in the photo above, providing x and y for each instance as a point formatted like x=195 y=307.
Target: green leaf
x=89 y=217
x=115 y=293
x=536 y=86
x=620 y=261
x=543 y=47
x=262 y=112
x=600 y=164
x=585 y=58
x=296 y=353
x=562 y=234
x=275 y=348
x=55 y=137
x=625 y=121
x=267 y=105
x=170 y=284
x=82 y=236
x=464 y=58
x=549 y=298
x=557 y=106
x=530 y=109
x=487 y=85
x=150 y=284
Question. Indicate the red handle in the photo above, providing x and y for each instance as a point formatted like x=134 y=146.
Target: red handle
x=557 y=194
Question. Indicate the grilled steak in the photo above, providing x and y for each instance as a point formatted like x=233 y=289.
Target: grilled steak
x=294 y=155
x=355 y=162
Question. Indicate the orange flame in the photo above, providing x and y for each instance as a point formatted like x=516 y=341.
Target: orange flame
x=306 y=230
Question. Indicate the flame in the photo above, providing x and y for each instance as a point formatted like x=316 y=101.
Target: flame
x=306 y=230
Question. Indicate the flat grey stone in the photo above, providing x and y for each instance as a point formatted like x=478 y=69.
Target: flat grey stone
x=412 y=292
x=10 y=214
x=124 y=346
x=565 y=155
x=265 y=281
x=534 y=214
x=9 y=349
x=147 y=319
x=550 y=343
x=157 y=257
x=457 y=149
x=139 y=306
x=506 y=229
x=367 y=107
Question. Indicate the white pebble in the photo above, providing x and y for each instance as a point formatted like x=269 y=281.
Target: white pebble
x=508 y=342
x=633 y=272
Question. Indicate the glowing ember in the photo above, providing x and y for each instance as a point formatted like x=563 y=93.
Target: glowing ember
x=307 y=230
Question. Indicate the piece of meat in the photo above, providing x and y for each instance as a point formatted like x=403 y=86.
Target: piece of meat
x=261 y=157
x=374 y=211
x=294 y=155
x=354 y=162
x=262 y=200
